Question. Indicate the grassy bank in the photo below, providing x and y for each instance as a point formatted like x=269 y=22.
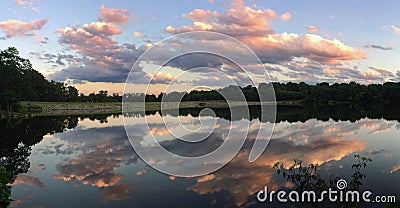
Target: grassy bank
x=84 y=108
x=67 y=108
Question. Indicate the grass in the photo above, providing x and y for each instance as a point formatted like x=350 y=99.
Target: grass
x=35 y=108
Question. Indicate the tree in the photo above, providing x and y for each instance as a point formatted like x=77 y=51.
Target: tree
x=12 y=70
x=19 y=81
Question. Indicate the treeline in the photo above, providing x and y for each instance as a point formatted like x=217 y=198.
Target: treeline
x=20 y=82
x=231 y=92
x=320 y=93
x=338 y=92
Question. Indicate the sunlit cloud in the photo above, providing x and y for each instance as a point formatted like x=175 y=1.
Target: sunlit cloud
x=27 y=4
x=102 y=59
x=311 y=28
x=286 y=16
x=28 y=180
x=113 y=15
x=253 y=28
x=395 y=29
x=395 y=168
x=139 y=35
x=381 y=71
x=19 y=28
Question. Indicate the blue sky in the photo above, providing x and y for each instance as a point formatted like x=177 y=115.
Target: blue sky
x=311 y=41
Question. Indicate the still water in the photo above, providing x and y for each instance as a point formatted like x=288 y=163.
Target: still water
x=88 y=161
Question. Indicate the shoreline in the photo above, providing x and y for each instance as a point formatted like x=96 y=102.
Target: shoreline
x=34 y=108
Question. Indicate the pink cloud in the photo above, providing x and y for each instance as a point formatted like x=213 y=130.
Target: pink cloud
x=93 y=40
x=395 y=168
x=395 y=29
x=380 y=70
x=289 y=45
x=113 y=15
x=286 y=16
x=101 y=28
x=26 y=4
x=22 y=3
x=238 y=20
x=101 y=58
x=138 y=34
x=252 y=26
x=16 y=27
x=28 y=180
x=311 y=28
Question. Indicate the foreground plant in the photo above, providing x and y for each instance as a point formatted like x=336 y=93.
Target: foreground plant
x=309 y=178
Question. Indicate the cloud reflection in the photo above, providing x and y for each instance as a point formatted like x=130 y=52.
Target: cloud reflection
x=97 y=153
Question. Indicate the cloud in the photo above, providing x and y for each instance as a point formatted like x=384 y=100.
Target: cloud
x=113 y=15
x=377 y=151
x=138 y=34
x=102 y=58
x=378 y=47
x=395 y=29
x=287 y=46
x=101 y=28
x=314 y=72
x=114 y=193
x=27 y=4
x=22 y=3
x=311 y=28
x=252 y=26
x=43 y=40
x=102 y=180
x=381 y=71
x=395 y=168
x=28 y=180
x=16 y=27
x=286 y=16
x=237 y=21
x=94 y=162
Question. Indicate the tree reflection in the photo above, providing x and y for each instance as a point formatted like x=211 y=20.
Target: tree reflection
x=19 y=135
x=290 y=113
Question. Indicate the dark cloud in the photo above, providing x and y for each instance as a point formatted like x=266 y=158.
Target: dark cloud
x=378 y=47
x=377 y=151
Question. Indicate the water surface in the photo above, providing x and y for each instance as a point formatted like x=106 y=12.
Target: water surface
x=71 y=161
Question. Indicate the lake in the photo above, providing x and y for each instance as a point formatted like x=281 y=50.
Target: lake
x=76 y=161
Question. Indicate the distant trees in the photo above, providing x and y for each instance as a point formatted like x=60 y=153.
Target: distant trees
x=101 y=96
x=321 y=93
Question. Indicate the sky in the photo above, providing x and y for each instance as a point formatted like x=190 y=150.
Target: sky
x=94 y=44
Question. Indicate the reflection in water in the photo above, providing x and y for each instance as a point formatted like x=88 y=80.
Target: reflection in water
x=93 y=162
